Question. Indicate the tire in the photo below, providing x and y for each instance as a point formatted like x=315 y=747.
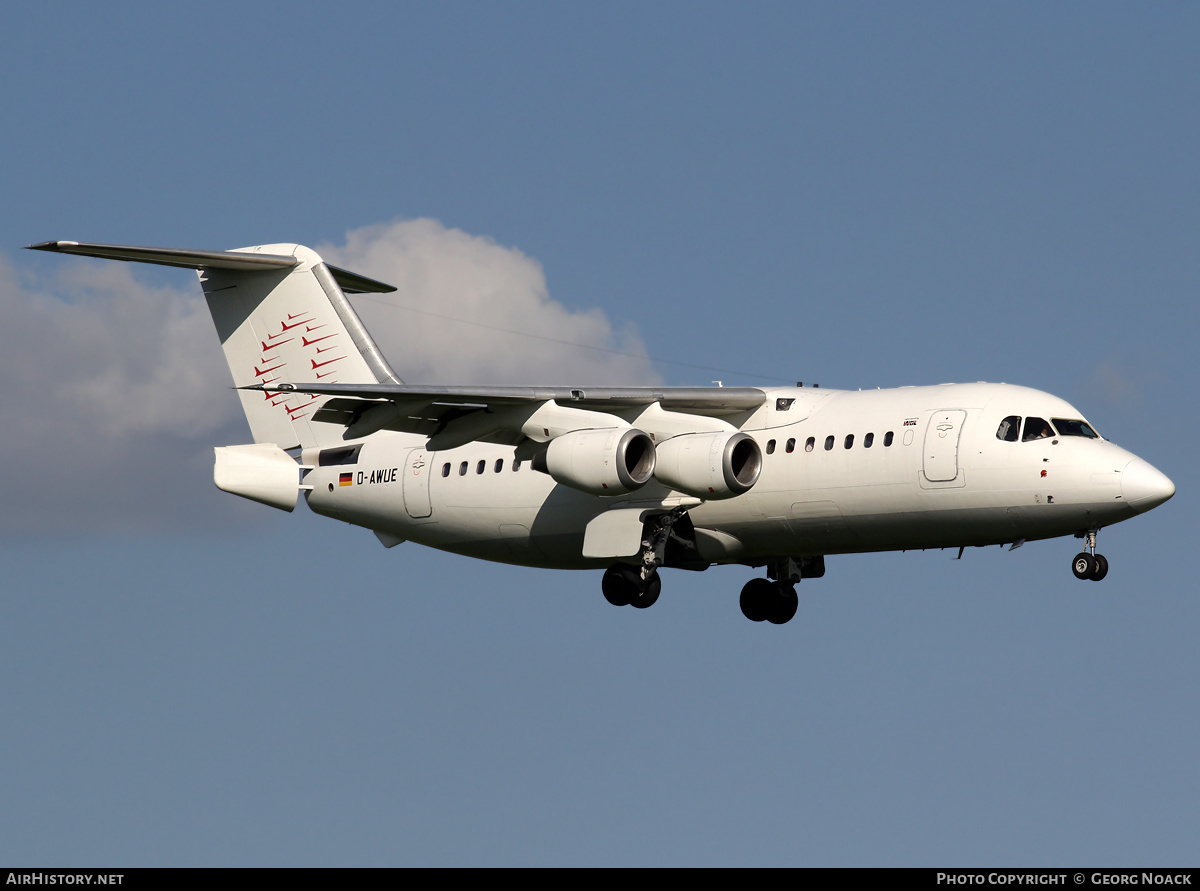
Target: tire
x=1101 y=568
x=1083 y=566
x=783 y=604
x=619 y=584
x=649 y=595
x=756 y=599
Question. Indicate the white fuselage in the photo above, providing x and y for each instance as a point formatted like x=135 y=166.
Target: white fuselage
x=915 y=467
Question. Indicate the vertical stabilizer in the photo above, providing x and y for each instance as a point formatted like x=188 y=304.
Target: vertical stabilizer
x=282 y=315
x=291 y=325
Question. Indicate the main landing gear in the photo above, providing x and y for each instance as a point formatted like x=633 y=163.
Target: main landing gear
x=1088 y=564
x=623 y=585
x=626 y=584
x=666 y=542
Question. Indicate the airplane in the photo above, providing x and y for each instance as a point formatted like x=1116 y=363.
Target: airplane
x=634 y=480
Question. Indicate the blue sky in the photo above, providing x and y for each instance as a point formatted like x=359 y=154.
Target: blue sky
x=859 y=195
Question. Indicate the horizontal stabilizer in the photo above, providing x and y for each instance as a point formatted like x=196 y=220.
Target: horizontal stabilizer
x=240 y=261
x=353 y=283
x=243 y=262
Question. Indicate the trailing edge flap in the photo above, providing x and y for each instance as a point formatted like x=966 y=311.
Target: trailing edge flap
x=239 y=261
x=614 y=533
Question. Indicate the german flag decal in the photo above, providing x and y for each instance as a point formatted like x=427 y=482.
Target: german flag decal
x=346 y=479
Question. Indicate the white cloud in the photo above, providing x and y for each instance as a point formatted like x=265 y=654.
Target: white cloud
x=115 y=391
x=467 y=277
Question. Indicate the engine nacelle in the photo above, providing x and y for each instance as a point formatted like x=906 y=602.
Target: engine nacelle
x=709 y=465
x=612 y=461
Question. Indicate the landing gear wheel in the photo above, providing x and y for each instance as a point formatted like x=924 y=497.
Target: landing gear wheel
x=1084 y=566
x=756 y=599
x=621 y=583
x=648 y=594
x=783 y=603
x=623 y=586
x=1100 y=569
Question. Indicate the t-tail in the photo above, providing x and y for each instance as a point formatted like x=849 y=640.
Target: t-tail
x=282 y=315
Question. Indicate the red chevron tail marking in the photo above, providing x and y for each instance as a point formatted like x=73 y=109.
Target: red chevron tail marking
x=286 y=327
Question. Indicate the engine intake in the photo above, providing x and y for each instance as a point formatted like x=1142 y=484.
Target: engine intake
x=709 y=465
x=611 y=461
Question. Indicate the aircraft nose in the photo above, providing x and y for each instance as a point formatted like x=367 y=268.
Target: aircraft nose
x=1144 y=486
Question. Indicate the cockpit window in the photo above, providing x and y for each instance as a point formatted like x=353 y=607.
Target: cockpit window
x=1010 y=429
x=1036 y=428
x=1067 y=427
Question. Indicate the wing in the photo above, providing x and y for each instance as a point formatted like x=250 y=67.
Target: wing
x=453 y=416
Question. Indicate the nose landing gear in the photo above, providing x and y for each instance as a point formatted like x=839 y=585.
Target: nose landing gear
x=1088 y=564
x=774 y=599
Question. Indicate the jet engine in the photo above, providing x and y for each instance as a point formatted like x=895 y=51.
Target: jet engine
x=709 y=465
x=612 y=461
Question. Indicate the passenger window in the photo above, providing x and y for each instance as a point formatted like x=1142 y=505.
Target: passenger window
x=849 y=440
x=480 y=466
x=462 y=469
x=828 y=443
x=1009 y=428
x=887 y=439
x=791 y=446
x=499 y=464
x=770 y=447
x=1036 y=428
x=868 y=440
x=516 y=464
x=446 y=469
x=809 y=443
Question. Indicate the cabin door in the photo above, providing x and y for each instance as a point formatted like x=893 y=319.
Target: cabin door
x=417 y=469
x=941 y=445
